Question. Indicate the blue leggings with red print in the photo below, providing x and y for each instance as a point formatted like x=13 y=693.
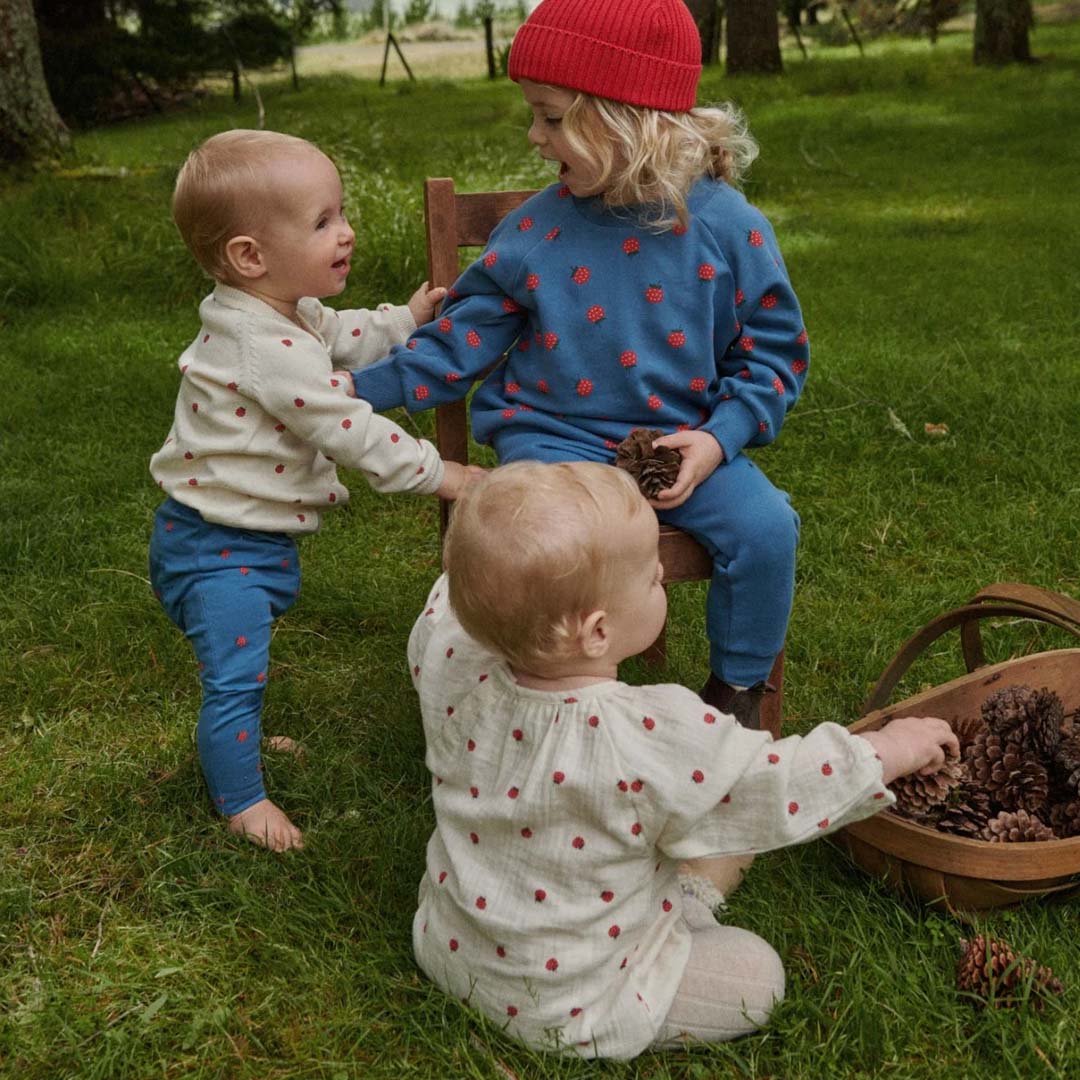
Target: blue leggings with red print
x=224 y=587
x=749 y=529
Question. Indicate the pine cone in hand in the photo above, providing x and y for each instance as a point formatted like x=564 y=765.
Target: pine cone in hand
x=1030 y=717
x=1008 y=771
x=918 y=797
x=993 y=972
x=966 y=812
x=653 y=469
x=1016 y=828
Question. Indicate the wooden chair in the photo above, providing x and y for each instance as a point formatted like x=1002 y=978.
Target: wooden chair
x=455 y=221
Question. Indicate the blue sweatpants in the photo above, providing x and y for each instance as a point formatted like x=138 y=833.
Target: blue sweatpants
x=224 y=587
x=749 y=529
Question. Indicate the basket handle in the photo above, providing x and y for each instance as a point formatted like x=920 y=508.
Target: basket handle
x=1004 y=598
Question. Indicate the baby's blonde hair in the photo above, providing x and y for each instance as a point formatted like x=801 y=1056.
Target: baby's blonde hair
x=652 y=157
x=532 y=550
x=224 y=190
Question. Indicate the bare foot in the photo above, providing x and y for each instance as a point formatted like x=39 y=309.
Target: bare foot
x=725 y=873
x=266 y=824
x=284 y=745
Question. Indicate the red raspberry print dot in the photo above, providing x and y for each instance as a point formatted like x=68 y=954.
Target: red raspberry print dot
x=777 y=385
x=635 y=829
x=394 y=437
x=552 y=964
x=452 y=376
x=648 y=723
x=637 y=785
x=421 y=392
x=594 y=721
x=740 y=296
x=613 y=931
x=628 y=359
x=449 y=710
x=558 y=777
x=697 y=385
x=666 y=905
x=518 y=734
x=474 y=838
x=773 y=759
x=446 y=325
x=508 y=414
x=580 y=274
x=510 y=305
x=654 y=402
x=225 y=553
x=575 y=1011
x=241 y=411
x=798 y=367
x=543 y=387
x=490 y=259
x=500 y=951
x=279 y=427
x=335 y=383
x=512 y=387
x=631 y=245
x=754 y=238
x=287 y=342
x=706 y=271
x=195 y=406
x=879 y=795
x=539 y=896
x=531 y=282
x=241 y=641
x=241 y=736
x=746 y=343
x=678 y=230
x=551 y=340
x=769 y=300
x=470 y=745
x=483 y=678
x=453 y=944
x=357 y=332
x=654 y=294
x=607 y=896
x=744 y=374
x=697 y=776
x=802 y=339
x=762 y=426
x=298 y=402
x=792 y=807
x=472 y=338
x=188 y=455
x=584 y=387
x=346 y=423
x=622 y=785
x=481 y=902
x=709 y=718
x=554 y=234
x=526 y=832
x=826 y=769
x=726 y=799
x=513 y=793
x=261 y=677
x=595 y=314
x=525 y=224
x=511 y=1010
x=245 y=571
x=578 y=842
x=823 y=823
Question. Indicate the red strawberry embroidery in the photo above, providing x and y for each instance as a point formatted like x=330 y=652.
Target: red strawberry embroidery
x=410 y=344
x=540 y=896
x=754 y=238
x=744 y=373
x=511 y=1010
x=453 y=945
x=552 y=964
x=676 y=339
x=648 y=723
x=490 y=259
x=697 y=385
x=298 y=402
x=740 y=296
x=679 y=229
x=510 y=305
x=654 y=294
x=631 y=245
x=532 y=281
x=709 y=718
x=769 y=301
x=584 y=387
x=474 y=838
x=774 y=759
x=575 y=1012
x=542 y=386
x=628 y=359
x=421 y=392
x=442 y=876
x=395 y=437
x=594 y=721
x=777 y=385
x=726 y=799
x=666 y=905
x=513 y=793
x=241 y=736
x=558 y=777
x=452 y=376
x=607 y=896
x=578 y=842
x=470 y=745
x=241 y=641
x=500 y=951
x=357 y=332
x=826 y=769
x=635 y=829
x=614 y=931
x=792 y=807
x=580 y=274
x=279 y=468
x=802 y=339
x=525 y=224
x=346 y=423
x=637 y=785
x=551 y=340
x=622 y=785
x=517 y=734
x=188 y=455
x=286 y=342
x=798 y=367
x=595 y=314
x=706 y=271
x=481 y=902
x=526 y=832
x=746 y=343
x=554 y=234
x=446 y=325
x=879 y=794
x=762 y=427
x=241 y=412
x=823 y=823
x=472 y=338
x=697 y=776
x=512 y=387
x=654 y=402
x=194 y=406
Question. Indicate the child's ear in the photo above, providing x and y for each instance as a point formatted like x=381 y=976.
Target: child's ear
x=245 y=257
x=593 y=635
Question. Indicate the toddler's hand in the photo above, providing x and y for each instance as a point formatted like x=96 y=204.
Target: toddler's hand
x=422 y=303
x=457 y=478
x=345 y=379
x=701 y=454
x=913 y=744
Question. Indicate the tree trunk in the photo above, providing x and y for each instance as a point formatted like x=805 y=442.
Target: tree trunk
x=753 y=38
x=1001 y=31
x=707 y=16
x=30 y=127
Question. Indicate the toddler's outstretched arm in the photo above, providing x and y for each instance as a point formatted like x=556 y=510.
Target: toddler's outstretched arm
x=912 y=744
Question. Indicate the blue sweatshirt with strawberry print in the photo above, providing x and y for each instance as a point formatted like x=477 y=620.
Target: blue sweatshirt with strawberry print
x=608 y=325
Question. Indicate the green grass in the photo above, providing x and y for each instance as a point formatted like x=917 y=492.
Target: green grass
x=929 y=218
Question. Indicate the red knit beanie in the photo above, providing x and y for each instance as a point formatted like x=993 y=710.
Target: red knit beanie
x=643 y=52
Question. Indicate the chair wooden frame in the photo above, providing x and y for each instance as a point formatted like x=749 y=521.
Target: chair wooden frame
x=454 y=221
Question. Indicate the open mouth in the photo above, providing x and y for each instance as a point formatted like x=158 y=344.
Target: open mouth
x=342 y=264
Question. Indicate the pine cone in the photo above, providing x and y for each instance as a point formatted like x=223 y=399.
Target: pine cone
x=1065 y=819
x=1016 y=828
x=1067 y=762
x=917 y=797
x=966 y=812
x=1029 y=717
x=653 y=469
x=1008 y=771
x=991 y=971
x=966 y=728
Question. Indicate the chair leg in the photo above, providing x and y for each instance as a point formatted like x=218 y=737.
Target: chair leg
x=772 y=705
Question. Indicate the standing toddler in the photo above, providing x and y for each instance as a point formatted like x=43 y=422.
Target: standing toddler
x=260 y=422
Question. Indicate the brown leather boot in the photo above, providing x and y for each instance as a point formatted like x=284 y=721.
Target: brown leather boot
x=744 y=705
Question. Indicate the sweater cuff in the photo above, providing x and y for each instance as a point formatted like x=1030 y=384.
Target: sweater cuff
x=379 y=385
x=732 y=424
x=433 y=470
x=401 y=320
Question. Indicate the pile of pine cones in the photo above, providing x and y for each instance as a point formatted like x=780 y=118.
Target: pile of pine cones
x=654 y=468
x=993 y=973
x=1017 y=778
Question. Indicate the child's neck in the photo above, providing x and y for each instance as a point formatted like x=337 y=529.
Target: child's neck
x=574 y=675
x=288 y=308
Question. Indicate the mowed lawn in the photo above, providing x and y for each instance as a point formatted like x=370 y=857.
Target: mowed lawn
x=929 y=216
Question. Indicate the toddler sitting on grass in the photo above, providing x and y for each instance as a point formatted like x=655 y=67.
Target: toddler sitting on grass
x=260 y=422
x=565 y=800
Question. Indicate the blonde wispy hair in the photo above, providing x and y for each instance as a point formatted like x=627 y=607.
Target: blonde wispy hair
x=651 y=157
x=529 y=555
x=224 y=190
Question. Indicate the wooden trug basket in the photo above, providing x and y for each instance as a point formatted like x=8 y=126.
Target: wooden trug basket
x=952 y=871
